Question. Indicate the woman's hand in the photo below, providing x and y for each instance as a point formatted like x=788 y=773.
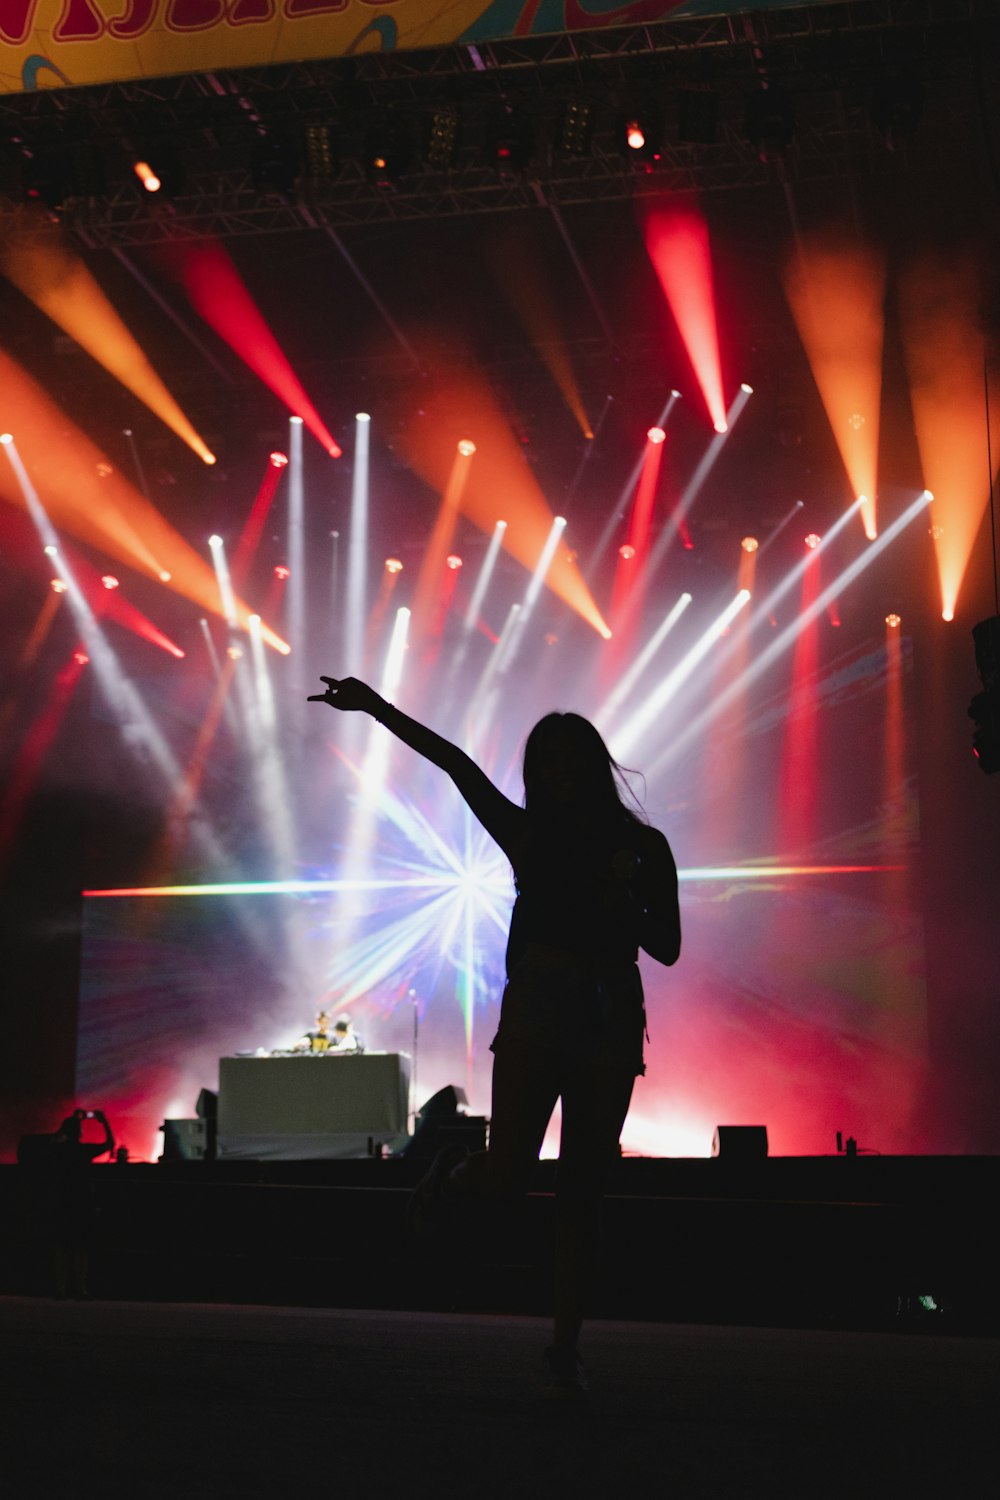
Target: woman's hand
x=348 y=693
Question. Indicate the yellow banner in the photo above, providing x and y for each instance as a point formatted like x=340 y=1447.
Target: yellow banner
x=61 y=43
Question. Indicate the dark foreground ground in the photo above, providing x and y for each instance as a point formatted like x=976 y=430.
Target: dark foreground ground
x=194 y=1402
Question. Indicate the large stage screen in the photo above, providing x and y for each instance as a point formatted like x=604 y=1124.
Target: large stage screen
x=325 y=865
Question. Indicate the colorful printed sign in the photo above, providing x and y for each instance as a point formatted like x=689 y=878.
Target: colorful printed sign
x=58 y=43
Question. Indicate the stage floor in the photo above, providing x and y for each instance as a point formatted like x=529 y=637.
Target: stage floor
x=155 y=1402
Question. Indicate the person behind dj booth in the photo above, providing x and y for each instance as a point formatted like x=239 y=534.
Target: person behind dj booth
x=68 y=1211
x=345 y=1038
x=319 y=1040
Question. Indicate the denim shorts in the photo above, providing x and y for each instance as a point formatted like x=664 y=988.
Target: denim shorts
x=576 y=1011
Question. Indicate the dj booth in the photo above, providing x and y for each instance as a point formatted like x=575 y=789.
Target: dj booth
x=311 y=1106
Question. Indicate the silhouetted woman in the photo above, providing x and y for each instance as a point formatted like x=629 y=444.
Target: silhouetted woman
x=594 y=885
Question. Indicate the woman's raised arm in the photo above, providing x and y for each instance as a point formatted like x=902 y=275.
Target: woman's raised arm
x=502 y=819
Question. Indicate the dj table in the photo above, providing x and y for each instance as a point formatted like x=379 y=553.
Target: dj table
x=300 y=1108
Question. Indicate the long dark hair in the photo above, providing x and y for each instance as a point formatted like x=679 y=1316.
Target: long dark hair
x=608 y=790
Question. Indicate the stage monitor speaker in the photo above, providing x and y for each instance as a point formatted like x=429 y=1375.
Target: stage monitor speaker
x=739 y=1143
x=440 y=1123
x=443 y=1105
x=185 y=1140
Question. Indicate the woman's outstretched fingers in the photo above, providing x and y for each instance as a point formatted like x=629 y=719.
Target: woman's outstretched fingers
x=326 y=697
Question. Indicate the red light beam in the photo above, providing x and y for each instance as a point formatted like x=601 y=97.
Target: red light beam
x=218 y=294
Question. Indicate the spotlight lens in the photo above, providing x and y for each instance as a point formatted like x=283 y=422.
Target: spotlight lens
x=362 y=416
x=656 y=435
x=109 y=581
x=147 y=177
x=6 y=437
x=749 y=544
x=165 y=577
x=626 y=553
x=454 y=561
x=893 y=621
x=278 y=460
x=59 y=585
x=295 y=421
x=50 y=550
x=466 y=447
x=635 y=135
x=215 y=541
x=746 y=389
x=812 y=541
x=81 y=658
x=720 y=426
x=282 y=572
x=234 y=653
x=393 y=565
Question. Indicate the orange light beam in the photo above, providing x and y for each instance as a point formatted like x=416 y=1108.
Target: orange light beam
x=677 y=244
x=836 y=294
x=457 y=403
x=52 y=462
x=943 y=343
x=432 y=566
x=219 y=295
x=522 y=277
x=55 y=279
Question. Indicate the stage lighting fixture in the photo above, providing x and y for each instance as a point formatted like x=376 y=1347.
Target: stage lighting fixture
x=109 y=581
x=442 y=140
x=6 y=437
x=770 y=122
x=278 y=460
x=393 y=565
x=59 y=175
x=656 y=435
x=454 y=561
x=234 y=653
x=147 y=176
x=577 y=128
x=640 y=133
x=282 y=572
x=362 y=416
x=510 y=146
x=749 y=544
x=740 y=1143
x=215 y=541
x=466 y=447
x=698 y=116
x=746 y=389
x=893 y=621
x=274 y=165
x=626 y=552
x=813 y=541
x=157 y=169
x=319 y=151
x=386 y=156
x=58 y=585
x=81 y=658
x=165 y=577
